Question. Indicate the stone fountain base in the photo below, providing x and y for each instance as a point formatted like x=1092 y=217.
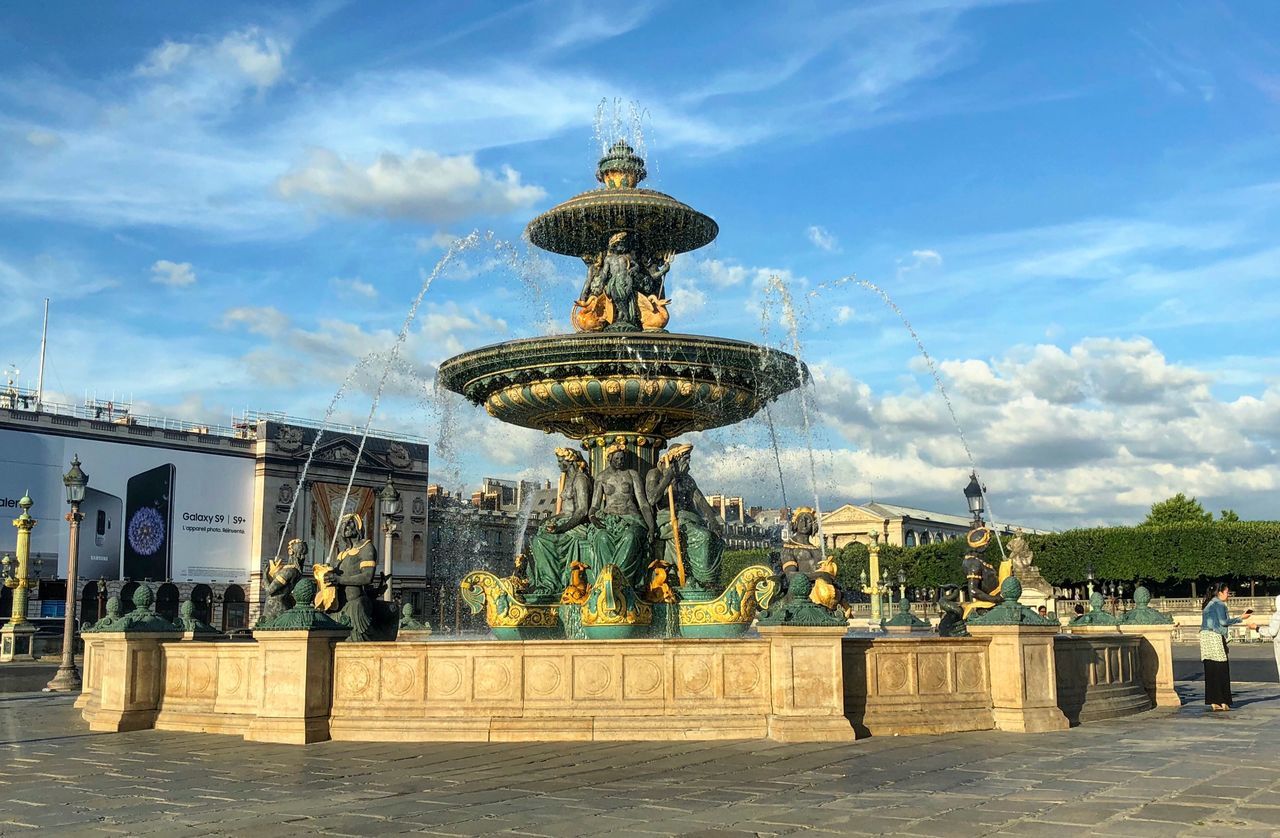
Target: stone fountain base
x=790 y=684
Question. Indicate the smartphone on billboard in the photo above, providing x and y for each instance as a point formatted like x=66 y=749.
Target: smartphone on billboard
x=148 y=524
x=100 y=533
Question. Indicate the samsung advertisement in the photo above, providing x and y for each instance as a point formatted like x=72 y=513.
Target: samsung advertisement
x=149 y=513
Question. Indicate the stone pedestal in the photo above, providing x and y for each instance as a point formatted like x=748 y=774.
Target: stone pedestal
x=1036 y=590
x=806 y=681
x=1024 y=691
x=17 y=642
x=1156 y=656
x=128 y=677
x=91 y=670
x=296 y=688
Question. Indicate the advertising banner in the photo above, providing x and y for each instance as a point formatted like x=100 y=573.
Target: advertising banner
x=149 y=513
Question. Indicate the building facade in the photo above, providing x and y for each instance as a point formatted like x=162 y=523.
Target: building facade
x=196 y=510
x=900 y=526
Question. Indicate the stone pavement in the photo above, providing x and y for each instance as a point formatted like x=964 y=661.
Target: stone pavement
x=1163 y=773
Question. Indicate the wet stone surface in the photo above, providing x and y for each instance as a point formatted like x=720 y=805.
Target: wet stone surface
x=1161 y=774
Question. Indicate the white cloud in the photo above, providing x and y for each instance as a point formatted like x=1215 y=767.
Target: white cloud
x=355 y=286
x=255 y=55
x=260 y=320
x=173 y=274
x=822 y=239
x=42 y=139
x=439 y=240
x=424 y=186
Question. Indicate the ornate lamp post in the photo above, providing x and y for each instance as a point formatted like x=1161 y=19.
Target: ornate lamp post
x=17 y=635
x=1088 y=577
x=902 y=583
x=973 y=496
x=67 y=678
x=390 y=505
x=874 y=589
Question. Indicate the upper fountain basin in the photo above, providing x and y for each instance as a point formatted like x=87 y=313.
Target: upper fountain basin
x=582 y=225
x=652 y=383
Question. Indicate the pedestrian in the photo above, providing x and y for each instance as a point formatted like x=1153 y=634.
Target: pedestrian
x=1271 y=630
x=1079 y=609
x=1043 y=611
x=1214 y=622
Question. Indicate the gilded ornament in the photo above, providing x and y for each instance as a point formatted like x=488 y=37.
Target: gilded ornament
x=542 y=390
x=685 y=388
x=505 y=610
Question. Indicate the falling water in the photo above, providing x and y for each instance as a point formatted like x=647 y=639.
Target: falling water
x=792 y=324
x=315 y=443
x=522 y=523
x=455 y=248
x=937 y=380
x=777 y=454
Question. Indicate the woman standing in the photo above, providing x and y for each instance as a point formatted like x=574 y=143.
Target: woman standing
x=1271 y=630
x=1214 y=623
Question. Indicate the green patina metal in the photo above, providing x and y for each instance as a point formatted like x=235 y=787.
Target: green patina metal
x=1010 y=612
x=1097 y=614
x=188 y=622
x=141 y=619
x=113 y=614
x=905 y=619
x=409 y=620
x=1143 y=614
x=303 y=616
x=796 y=609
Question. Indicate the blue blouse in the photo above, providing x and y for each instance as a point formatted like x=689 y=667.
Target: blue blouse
x=1215 y=617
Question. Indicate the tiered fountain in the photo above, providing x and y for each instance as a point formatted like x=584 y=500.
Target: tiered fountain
x=623 y=387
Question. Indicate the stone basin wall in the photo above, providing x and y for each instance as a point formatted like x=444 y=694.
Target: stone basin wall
x=787 y=684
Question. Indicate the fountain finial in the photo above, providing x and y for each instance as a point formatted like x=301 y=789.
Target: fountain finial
x=621 y=167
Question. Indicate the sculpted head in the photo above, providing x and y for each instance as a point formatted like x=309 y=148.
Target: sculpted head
x=352 y=526
x=617 y=455
x=618 y=243
x=804 y=522
x=678 y=456
x=569 y=459
x=298 y=551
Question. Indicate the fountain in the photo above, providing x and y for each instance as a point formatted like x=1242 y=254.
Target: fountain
x=623 y=387
x=625 y=632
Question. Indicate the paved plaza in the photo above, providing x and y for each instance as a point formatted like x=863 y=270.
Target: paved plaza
x=1162 y=773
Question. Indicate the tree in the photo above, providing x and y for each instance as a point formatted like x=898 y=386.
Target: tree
x=1178 y=509
x=1229 y=516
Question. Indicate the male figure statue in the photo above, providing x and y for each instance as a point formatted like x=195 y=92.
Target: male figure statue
x=623 y=520
x=281 y=576
x=690 y=530
x=564 y=538
x=354 y=572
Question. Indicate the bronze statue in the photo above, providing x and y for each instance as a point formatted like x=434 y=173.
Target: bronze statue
x=565 y=537
x=344 y=588
x=624 y=288
x=952 y=623
x=689 y=529
x=281 y=577
x=622 y=520
x=981 y=577
x=799 y=553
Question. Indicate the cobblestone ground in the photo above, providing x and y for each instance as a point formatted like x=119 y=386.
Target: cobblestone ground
x=1162 y=773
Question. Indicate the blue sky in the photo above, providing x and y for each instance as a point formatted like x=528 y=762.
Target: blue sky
x=1075 y=204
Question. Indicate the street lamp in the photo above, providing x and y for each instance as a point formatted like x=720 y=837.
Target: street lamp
x=390 y=505
x=902 y=583
x=67 y=678
x=1088 y=577
x=973 y=496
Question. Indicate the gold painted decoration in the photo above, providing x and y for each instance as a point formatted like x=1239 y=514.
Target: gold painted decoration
x=502 y=604
x=326 y=594
x=660 y=589
x=575 y=593
x=738 y=603
x=612 y=602
x=653 y=312
x=593 y=313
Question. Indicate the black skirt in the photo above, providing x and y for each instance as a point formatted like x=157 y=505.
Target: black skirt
x=1217 y=682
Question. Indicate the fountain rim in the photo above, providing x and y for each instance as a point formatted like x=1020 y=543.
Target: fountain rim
x=614 y=197
x=459 y=372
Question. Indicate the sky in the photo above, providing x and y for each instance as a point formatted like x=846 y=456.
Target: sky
x=234 y=206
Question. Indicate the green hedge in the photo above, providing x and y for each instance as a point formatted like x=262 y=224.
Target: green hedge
x=1173 y=552
x=1169 y=553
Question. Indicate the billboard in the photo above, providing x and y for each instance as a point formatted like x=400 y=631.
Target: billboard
x=149 y=513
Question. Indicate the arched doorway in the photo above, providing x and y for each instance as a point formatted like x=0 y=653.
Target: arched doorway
x=126 y=597
x=89 y=604
x=167 y=601
x=202 y=598
x=235 y=611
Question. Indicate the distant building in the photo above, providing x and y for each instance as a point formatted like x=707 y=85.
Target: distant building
x=900 y=526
